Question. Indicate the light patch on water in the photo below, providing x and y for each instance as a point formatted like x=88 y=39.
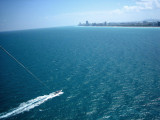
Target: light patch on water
x=26 y=106
x=106 y=117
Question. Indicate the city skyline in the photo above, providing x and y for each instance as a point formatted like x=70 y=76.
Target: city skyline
x=145 y=23
x=17 y=15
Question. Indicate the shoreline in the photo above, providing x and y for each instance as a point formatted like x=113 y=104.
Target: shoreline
x=126 y=26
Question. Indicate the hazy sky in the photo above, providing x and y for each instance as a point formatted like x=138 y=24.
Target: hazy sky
x=28 y=14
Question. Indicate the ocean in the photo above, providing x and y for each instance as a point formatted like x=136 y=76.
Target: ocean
x=105 y=73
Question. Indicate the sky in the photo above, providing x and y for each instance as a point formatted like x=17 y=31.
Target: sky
x=30 y=14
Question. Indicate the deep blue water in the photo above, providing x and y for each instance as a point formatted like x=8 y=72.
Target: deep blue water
x=105 y=73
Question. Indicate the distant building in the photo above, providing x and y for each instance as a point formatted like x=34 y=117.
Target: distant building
x=87 y=23
x=80 y=24
x=105 y=23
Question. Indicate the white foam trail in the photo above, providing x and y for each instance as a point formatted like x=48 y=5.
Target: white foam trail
x=26 y=106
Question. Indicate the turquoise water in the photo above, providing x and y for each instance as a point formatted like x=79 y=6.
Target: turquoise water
x=105 y=73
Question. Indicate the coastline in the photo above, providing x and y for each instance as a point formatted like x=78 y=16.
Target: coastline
x=126 y=26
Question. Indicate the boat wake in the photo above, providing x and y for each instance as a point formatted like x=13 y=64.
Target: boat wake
x=26 y=106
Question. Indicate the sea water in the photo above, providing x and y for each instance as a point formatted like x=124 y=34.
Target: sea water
x=106 y=73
